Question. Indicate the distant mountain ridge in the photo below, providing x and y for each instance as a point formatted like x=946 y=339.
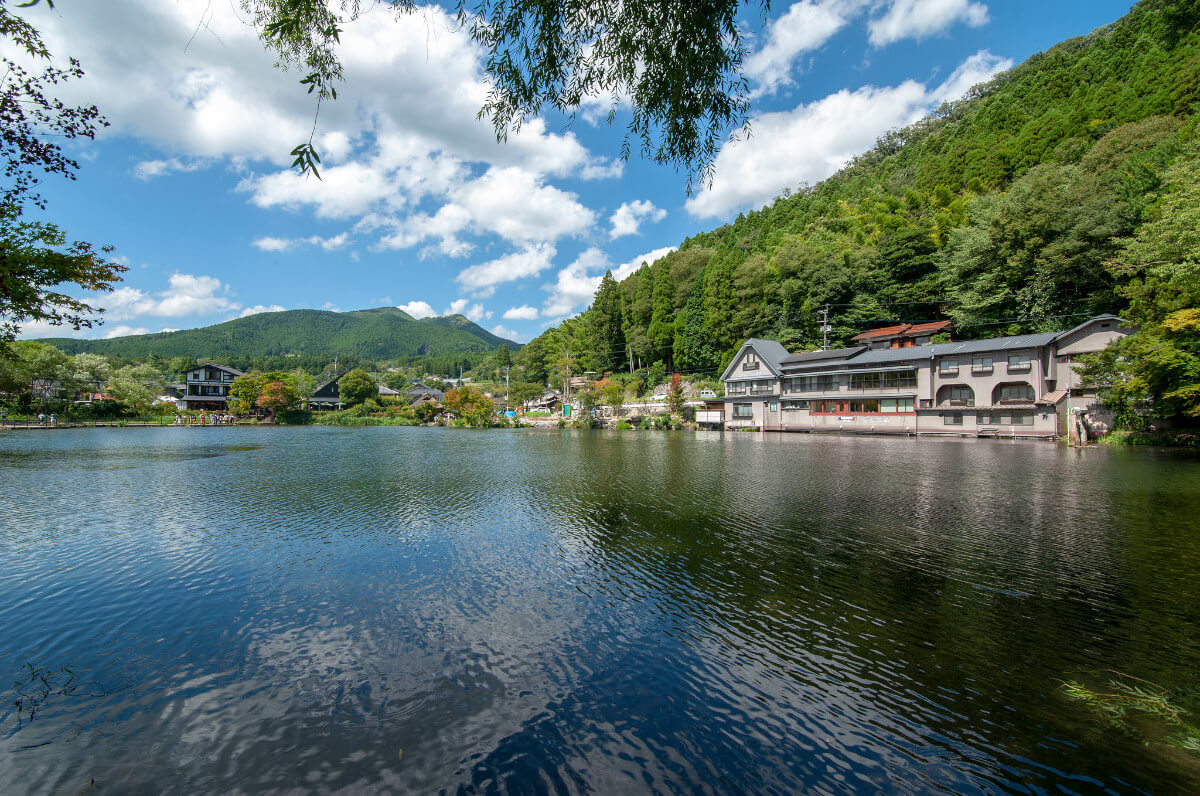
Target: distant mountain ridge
x=381 y=333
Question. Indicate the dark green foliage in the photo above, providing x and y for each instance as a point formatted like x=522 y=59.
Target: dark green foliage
x=1003 y=211
x=608 y=316
x=385 y=333
x=356 y=387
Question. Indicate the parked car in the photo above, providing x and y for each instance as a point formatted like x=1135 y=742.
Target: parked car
x=707 y=394
x=658 y=396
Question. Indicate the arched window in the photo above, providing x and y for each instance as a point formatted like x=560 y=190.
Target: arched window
x=955 y=395
x=1017 y=392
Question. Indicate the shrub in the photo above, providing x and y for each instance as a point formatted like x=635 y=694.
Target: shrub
x=294 y=417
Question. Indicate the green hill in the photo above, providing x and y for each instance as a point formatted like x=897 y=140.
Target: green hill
x=384 y=333
x=1007 y=211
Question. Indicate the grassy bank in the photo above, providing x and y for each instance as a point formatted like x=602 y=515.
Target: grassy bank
x=1171 y=439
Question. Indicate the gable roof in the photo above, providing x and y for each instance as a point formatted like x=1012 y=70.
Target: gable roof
x=819 y=357
x=1108 y=316
x=770 y=352
x=903 y=330
x=225 y=368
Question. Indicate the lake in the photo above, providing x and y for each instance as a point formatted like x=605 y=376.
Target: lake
x=424 y=610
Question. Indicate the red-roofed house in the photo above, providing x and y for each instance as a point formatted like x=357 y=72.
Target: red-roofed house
x=902 y=335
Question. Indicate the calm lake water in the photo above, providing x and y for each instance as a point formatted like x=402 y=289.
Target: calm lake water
x=425 y=610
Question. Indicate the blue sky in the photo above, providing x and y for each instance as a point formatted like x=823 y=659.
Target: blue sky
x=419 y=206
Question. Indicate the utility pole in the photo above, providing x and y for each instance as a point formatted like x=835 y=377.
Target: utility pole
x=506 y=369
x=823 y=314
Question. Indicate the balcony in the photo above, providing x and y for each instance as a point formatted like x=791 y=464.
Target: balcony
x=982 y=370
x=947 y=372
x=762 y=391
x=1020 y=368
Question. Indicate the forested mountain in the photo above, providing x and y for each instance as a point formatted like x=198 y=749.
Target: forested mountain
x=1011 y=210
x=384 y=333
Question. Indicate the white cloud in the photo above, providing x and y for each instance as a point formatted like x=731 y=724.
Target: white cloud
x=331 y=307
x=273 y=244
x=123 y=331
x=484 y=277
x=629 y=217
x=601 y=170
x=917 y=19
x=186 y=295
x=979 y=68
x=269 y=244
x=508 y=334
x=149 y=169
x=474 y=312
x=260 y=308
x=806 y=26
x=650 y=257
x=522 y=313
x=418 y=309
x=403 y=131
x=510 y=202
x=576 y=284
x=812 y=141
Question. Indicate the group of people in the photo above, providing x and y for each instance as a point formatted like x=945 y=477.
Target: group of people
x=204 y=419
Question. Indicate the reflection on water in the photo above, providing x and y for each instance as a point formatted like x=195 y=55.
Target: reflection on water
x=428 y=610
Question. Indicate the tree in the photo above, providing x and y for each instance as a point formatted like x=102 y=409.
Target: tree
x=277 y=396
x=357 y=386
x=503 y=359
x=607 y=315
x=675 y=395
x=521 y=391
x=677 y=65
x=35 y=257
x=244 y=392
x=136 y=386
x=471 y=406
x=612 y=392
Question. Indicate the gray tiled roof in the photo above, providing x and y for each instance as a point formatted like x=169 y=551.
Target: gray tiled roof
x=819 y=356
x=769 y=351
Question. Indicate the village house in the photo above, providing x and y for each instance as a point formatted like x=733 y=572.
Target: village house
x=207 y=387
x=327 y=396
x=1021 y=386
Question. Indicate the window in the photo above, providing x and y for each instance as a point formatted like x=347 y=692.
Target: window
x=1013 y=393
x=825 y=407
x=1022 y=418
x=743 y=410
x=895 y=405
x=982 y=364
x=948 y=367
x=1019 y=363
x=794 y=406
x=735 y=388
x=956 y=395
x=864 y=407
x=773 y=406
x=952 y=419
x=751 y=363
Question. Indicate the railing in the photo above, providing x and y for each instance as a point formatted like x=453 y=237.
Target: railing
x=947 y=372
x=762 y=390
x=958 y=402
x=1025 y=368
x=926 y=403
x=981 y=370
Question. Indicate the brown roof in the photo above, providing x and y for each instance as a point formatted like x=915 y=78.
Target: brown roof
x=903 y=330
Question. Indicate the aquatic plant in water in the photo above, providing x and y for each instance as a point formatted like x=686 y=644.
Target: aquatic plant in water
x=1142 y=709
x=38 y=684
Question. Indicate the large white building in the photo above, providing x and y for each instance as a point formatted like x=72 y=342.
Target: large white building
x=897 y=381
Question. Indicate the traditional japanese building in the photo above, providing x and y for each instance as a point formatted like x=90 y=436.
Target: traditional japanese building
x=207 y=387
x=1026 y=385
